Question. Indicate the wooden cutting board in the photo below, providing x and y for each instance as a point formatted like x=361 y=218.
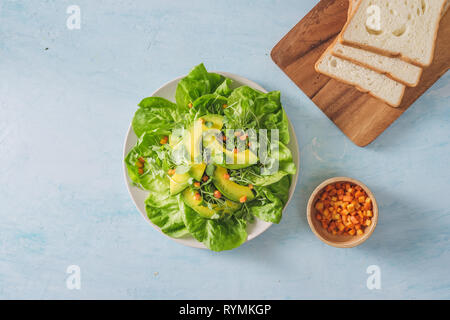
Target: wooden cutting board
x=360 y=116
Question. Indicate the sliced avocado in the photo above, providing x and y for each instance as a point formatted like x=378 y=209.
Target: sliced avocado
x=214 y=212
x=241 y=159
x=231 y=206
x=194 y=134
x=212 y=121
x=179 y=182
x=230 y=189
x=192 y=141
x=197 y=171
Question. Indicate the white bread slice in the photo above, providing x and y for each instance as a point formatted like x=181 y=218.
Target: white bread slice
x=408 y=28
x=395 y=68
x=364 y=79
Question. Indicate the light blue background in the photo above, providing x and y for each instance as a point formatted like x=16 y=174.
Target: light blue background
x=64 y=113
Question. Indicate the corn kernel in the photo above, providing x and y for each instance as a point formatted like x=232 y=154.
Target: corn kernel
x=359 y=232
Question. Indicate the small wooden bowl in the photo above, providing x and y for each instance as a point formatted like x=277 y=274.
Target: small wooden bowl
x=340 y=241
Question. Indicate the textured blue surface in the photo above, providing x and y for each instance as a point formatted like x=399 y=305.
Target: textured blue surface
x=64 y=113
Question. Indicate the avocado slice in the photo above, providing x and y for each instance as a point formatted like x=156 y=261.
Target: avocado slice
x=197 y=171
x=216 y=122
x=194 y=136
x=179 y=182
x=214 y=212
x=241 y=159
x=192 y=141
x=230 y=189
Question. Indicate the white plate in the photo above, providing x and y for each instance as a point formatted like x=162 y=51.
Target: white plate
x=167 y=91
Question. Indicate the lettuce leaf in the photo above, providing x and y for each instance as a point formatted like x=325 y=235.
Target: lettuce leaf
x=145 y=148
x=286 y=166
x=217 y=235
x=281 y=188
x=166 y=213
x=162 y=209
x=267 y=206
x=225 y=88
x=196 y=84
x=252 y=109
x=208 y=104
x=157 y=115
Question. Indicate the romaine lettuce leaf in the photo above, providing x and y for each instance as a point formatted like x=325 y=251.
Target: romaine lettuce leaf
x=208 y=104
x=162 y=209
x=225 y=88
x=146 y=147
x=281 y=188
x=165 y=212
x=252 y=109
x=196 y=84
x=286 y=166
x=267 y=206
x=158 y=115
x=218 y=235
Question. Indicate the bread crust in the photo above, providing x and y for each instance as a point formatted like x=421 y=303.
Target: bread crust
x=392 y=53
x=316 y=67
x=388 y=74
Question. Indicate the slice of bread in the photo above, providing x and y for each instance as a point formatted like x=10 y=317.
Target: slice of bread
x=395 y=68
x=364 y=79
x=408 y=28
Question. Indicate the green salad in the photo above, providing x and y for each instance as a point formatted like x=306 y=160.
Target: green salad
x=213 y=161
